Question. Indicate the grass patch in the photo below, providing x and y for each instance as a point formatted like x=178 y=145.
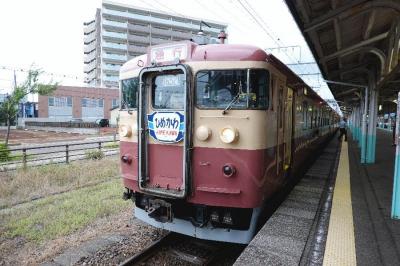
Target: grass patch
x=111 y=145
x=19 y=157
x=22 y=185
x=63 y=214
x=94 y=155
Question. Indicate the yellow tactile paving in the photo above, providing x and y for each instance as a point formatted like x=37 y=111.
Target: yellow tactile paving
x=340 y=245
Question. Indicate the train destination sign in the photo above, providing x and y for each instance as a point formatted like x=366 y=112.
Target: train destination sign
x=168 y=53
x=166 y=126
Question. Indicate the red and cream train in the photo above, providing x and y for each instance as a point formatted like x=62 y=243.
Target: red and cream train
x=210 y=132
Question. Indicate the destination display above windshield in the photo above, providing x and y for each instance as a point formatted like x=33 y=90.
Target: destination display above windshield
x=169 y=53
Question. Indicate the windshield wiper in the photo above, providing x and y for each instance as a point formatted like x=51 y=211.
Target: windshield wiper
x=229 y=106
x=235 y=99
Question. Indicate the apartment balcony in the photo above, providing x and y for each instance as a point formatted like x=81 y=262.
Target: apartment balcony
x=115 y=35
x=89 y=57
x=111 y=67
x=89 y=28
x=139 y=28
x=139 y=39
x=111 y=84
x=89 y=38
x=91 y=76
x=182 y=35
x=89 y=47
x=110 y=12
x=114 y=24
x=155 y=41
x=89 y=67
x=161 y=32
x=114 y=46
x=161 y=21
x=115 y=58
x=137 y=49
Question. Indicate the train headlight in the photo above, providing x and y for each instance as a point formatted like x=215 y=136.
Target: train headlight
x=228 y=134
x=125 y=131
x=203 y=133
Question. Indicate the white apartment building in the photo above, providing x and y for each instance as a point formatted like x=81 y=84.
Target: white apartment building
x=120 y=32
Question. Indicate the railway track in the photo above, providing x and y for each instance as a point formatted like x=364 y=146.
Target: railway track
x=177 y=249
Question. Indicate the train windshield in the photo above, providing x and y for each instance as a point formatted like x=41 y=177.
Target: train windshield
x=168 y=91
x=233 y=89
x=129 y=89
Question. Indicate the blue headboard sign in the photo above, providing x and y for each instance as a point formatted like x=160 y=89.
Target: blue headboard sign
x=166 y=127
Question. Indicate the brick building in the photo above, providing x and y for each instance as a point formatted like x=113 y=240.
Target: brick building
x=86 y=103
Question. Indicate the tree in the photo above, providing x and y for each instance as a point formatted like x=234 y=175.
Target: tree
x=31 y=85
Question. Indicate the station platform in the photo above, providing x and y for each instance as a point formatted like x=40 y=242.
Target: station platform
x=338 y=214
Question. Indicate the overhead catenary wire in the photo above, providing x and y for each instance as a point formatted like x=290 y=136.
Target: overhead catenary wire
x=263 y=25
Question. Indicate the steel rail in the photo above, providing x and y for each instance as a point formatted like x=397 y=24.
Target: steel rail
x=147 y=252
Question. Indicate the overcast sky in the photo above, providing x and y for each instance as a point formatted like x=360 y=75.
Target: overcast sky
x=49 y=33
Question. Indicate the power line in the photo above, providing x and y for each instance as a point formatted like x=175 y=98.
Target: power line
x=276 y=40
x=44 y=72
x=263 y=27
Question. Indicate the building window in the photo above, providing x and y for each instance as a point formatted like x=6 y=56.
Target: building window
x=114 y=103
x=69 y=101
x=60 y=101
x=92 y=103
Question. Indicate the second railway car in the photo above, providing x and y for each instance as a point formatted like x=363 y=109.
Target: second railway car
x=210 y=132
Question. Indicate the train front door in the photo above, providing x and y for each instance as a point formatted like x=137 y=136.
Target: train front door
x=164 y=116
x=288 y=128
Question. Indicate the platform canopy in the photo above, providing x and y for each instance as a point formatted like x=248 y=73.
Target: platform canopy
x=353 y=41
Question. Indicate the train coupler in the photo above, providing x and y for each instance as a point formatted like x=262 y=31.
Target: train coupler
x=128 y=194
x=160 y=210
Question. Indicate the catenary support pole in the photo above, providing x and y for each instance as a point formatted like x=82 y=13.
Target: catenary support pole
x=396 y=178
x=371 y=135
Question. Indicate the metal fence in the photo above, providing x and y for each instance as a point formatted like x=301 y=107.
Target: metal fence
x=13 y=158
x=62 y=124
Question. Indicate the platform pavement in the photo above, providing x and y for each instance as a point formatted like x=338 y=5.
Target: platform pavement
x=377 y=235
x=288 y=233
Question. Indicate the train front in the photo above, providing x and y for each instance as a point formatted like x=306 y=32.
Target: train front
x=194 y=148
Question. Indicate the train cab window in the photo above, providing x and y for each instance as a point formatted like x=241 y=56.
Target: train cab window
x=168 y=91
x=238 y=89
x=129 y=89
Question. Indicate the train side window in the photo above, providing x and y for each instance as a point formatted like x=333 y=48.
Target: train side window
x=129 y=89
x=280 y=106
x=310 y=111
x=273 y=80
x=258 y=88
x=305 y=112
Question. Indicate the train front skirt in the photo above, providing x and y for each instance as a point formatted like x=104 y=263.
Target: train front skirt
x=206 y=232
